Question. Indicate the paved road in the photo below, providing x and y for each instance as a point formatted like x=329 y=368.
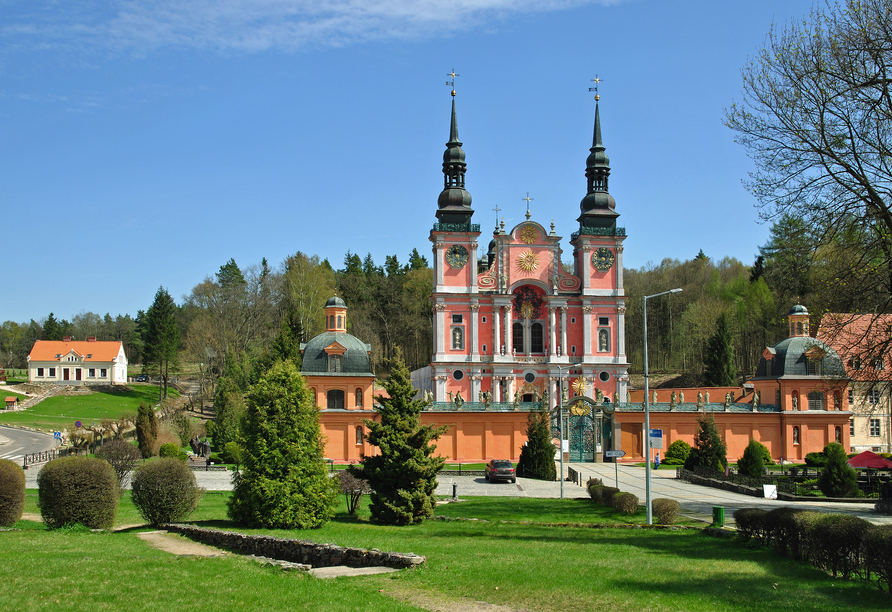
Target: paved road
x=16 y=443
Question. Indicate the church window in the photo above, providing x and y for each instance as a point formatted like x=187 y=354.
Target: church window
x=603 y=321
x=572 y=319
x=573 y=350
x=456 y=318
x=815 y=400
x=851 y=396
x=484 y=319
x=484 y=349
x=458 y=374
x=334 y=363
x=795 y=434
x=799 y=328
x=517 y=337
x=536 y=338
x=458 y=338
x=359 y=434
x=340 y=323
x=529 y=377
x=603 y=341
x=331 y=321
x=604 y=376
x=335 y=399
x=359 y=398
x=777 y=398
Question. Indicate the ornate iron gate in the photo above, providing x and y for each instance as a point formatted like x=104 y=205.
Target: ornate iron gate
x=588 y=429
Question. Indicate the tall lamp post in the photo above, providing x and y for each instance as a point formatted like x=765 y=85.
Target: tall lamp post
x=561 y=417
x=650 y=518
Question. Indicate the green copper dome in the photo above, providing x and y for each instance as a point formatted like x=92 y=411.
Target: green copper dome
x=355 y=361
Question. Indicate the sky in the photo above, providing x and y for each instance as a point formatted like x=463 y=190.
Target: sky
x=144 y=143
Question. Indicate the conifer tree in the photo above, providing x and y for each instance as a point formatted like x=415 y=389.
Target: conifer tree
x=719 y=369
x=403 y=475
x=537 y=456
x=284 y=483
x=146 y=429
x=838 y=478
x=710 y=451
x=162 y=337
x=752 y=463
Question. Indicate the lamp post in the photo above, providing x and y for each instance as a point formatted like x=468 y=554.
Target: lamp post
x=647 y=411
x=561 y=417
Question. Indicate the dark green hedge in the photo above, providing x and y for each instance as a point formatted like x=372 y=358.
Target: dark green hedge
x=78 y=490
x=12 y=492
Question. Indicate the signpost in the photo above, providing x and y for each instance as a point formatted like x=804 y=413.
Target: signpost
x=616 y=454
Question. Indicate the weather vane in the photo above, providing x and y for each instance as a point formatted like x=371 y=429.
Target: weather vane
x=452 y=82
x=596 y=81
x=528 y=199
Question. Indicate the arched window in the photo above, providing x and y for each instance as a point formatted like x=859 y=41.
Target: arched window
x=795 y=434
x=335 y=399
x=331 y=322
x=815 y=400
x=799 y=328
x=359 y=398
x=537 y=344
x=603 y=341
x=359 y=434
x=517 y=337
x=339 y=322
x=334 y=363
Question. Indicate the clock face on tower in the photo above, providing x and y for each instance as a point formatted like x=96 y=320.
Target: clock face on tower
x=457 y=256
x=603 y=259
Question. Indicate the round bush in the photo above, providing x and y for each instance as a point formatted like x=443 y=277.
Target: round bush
x=666 y=510
x=751 y=523
x=77 y=490
x=165 y=491
x=676 y=454
x=625 y=503
x=12 y=492
x=169 y=450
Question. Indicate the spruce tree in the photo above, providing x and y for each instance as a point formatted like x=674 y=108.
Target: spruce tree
x=752 y=463
x=146 y=429
x=162 y=337
x=838 y=478
x=537 y=455
x=284 y=483
x=709 y=452
x=718 y=363
x=403 y=475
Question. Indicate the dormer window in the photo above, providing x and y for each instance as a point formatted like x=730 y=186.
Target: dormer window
x=335 y=363
x=815 y=366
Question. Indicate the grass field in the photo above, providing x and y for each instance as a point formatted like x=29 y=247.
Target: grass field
x=61 y=411
x=531 y=566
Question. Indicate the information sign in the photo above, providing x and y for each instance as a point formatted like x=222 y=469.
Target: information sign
x=656 y=438
x=614 y=453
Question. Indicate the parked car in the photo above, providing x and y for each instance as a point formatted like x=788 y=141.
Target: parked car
x=500 y=469
x=142 y=378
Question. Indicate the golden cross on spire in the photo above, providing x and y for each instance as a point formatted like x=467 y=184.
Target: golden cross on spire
x=528 y=200
x=597 y=82
x=452 y=82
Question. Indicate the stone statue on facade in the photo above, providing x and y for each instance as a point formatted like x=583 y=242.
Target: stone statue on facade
x=681 y=397
x=699 y=400
x=599 y=396
x=707 y=397
x=673 y=400
x=756 y=401
x=795 y=402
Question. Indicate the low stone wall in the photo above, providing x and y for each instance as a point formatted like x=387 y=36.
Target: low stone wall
x=297 y=551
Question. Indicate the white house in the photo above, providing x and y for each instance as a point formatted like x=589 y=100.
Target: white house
x=77 y=362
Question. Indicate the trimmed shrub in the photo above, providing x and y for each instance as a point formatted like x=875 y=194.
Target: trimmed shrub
x=835 y=543
x=677 y=453
x=165 y=491
x=123 y=457
x=626 y=503
x=168 y=450
x=594 y=491
x=788 y=530
x=878 y=555
x=593 y=482
x=12 y=492
x=752 y=463
x=751 y=524
x=666 y=510
x=605 y=495
x=78 y=490
x=838 y=478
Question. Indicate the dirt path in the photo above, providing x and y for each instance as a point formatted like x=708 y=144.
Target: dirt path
x=178 y=545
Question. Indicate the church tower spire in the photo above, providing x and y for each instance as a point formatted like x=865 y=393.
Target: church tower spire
x=598 y=206
x=454 y=203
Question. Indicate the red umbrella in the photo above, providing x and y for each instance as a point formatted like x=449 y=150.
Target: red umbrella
x=868 y=459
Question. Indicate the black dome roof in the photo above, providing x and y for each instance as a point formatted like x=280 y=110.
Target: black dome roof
x=790 y=360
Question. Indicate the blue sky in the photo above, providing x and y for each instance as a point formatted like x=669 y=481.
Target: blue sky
x=145 y=142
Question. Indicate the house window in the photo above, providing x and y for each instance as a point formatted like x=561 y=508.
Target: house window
x=873 y=396
x=795 y=434
x=335 y=399
x=856 y=363
x=458 y=338
x=40 y=372
x=456 y=318
x=851 y=397
x=536 y=338
x=603 y=341
x=878 y=364
x=334 y=363
x=103 y=373
x=874 y=427
x=52 y=373
x=814 y=367
x=815 y=400
x=359 y=398
x=359 y=435
x=517 y=337
x=851 y=427
x=91 y=373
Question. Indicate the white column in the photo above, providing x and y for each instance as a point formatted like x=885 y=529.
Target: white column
x=475 y=388
x=586 y=266
x=586 y=330
x=440 y=329
x=552 y=336
x=509 y=389
x=439 y=261
x=475 y=344
x=618 y=266
x=496 y=329
x=621 y=332
x=509 y=329
x=552 y=392
x=564 y=331
x=440 y=389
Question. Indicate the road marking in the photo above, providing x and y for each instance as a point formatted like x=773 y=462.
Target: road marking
x=11 y=457
x=13 y=450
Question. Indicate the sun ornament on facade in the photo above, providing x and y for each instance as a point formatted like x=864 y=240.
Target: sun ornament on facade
x=528 y=261
x=579 y=386
x=529 y=234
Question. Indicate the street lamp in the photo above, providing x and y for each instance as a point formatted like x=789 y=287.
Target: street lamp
x=561 y=417
x=647 y=411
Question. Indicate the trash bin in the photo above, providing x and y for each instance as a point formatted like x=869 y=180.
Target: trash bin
x=718 y=516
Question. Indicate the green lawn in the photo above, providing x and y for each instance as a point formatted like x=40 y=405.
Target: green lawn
x=533 y=566
x=61 y=411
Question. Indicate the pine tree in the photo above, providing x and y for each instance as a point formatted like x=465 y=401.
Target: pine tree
x=709 y=452
x=162 y=337
x=719 y=369
x=146 y=429
x=284 y=483
x=403 y=476
x=838 y=478
x=537 y=455
x=753 y=461
x=51 y=329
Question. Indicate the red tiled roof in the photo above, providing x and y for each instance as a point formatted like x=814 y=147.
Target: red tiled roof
x=46 y=350
x=860 y=339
